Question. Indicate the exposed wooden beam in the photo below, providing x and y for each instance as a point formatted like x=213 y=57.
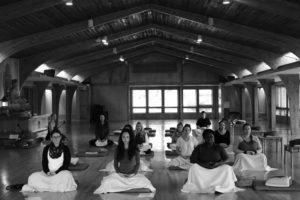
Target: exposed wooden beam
x=98 y=54
x=208 y=62
x=10 y=47
x=25 y=7
x=278 y=7
x=101 y=62
x=288 y=42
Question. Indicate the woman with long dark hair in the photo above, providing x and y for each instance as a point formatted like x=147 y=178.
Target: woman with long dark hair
x=248 y=152
x=126 y=163
x=55 y=176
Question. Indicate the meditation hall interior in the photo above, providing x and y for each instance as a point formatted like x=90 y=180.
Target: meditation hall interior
x=149 y=99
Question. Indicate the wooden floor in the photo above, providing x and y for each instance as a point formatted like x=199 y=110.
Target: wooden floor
x=17 y=164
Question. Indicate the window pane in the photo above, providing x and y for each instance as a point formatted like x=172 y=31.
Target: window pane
x=189 y=110
x=138 y=98
x=283 y=97
x=154 y=110
x=277 y=112
x=208 y=110
x=205 y=97
x=171 y=98
x=171 y=110
x=189 y=98
x=139 y=110
x=155 y=98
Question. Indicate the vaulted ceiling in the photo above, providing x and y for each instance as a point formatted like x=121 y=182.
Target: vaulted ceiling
x=242 y=38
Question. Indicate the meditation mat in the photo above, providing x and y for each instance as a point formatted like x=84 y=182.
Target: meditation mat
x=175 y=168
x=260 y=185
x=145 y=154
x=78 y=167
x=152 y=133
x=137 y=190
x=168 y=134
x=92 y=142
x=23 y=143
x=15 y=187
x=92 y=154
x=171 y=153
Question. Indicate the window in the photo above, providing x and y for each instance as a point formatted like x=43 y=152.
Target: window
x=189 y=101
x=139 y=101
x=145 y=101
x=155 y=101
x=171 y=101
x=197 y=100
x=282 y=106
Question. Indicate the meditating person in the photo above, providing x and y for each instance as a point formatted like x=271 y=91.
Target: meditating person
x=55 y=176
x=203 y=121
x=52 y=122
x=184 y=147
x=248 y=152
x=209 y=172
x=222 y=135
x=175 y=135
x=101 y=133
x=142 y=139
x=126 y=163
x=178 y=132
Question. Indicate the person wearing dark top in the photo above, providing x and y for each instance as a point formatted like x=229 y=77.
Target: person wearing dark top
x=126 y=163
x=55 y=176
x=209 y=172
x=222 y=135
x=101 y=133
x=203 y=122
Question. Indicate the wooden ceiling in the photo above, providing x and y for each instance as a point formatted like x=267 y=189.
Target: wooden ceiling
x=246 y=34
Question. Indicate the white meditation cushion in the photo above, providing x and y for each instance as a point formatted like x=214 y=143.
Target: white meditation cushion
x=284 y=181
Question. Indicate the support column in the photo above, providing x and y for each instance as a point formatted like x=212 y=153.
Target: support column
x=40 y=89
x=240 y=91
x=56 y=93
x=291 y=82
x=70 y=90
x=269 y=88
x=252 y=89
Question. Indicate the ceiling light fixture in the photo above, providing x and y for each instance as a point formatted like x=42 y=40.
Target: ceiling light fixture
x=69 y=2
x=199 y=39
x=121 y=59
x=104 y=40
x=187 y=57
x=226 y=2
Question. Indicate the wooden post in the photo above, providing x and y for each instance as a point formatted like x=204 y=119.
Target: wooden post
x=70 y=90
x=252 y=89
x=41 y=87
x=56 y=93
x=291 y=82
x=269 y=88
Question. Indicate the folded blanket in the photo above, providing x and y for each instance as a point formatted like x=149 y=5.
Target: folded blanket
x=284 y=181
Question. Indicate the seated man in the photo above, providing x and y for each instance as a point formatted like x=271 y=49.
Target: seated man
x=203 y=121
x=209 y=173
